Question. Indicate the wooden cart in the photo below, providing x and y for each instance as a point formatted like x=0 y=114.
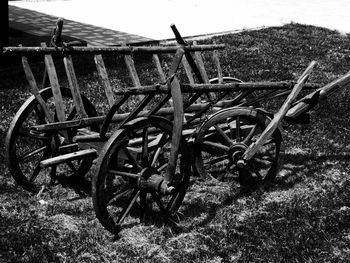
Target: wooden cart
x=152 y=135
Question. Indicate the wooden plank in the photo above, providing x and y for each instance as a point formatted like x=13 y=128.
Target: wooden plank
x=132 y=70
x=188 y=70
x=216 y=60
x=200 y=64
x=35 y=90
x=159 y=68
x=55 y=86
x=68 y=157
x=101 y=69
x=178 y=116
x=270 y=129
x=74 y=86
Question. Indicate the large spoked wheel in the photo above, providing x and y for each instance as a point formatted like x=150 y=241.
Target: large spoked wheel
x=223 y=139
x=140 y=149
x=26 y=148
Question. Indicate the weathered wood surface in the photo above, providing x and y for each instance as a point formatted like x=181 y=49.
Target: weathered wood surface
x=102 y=71
x=74 y=86
x=200 y=66
x=68 y=157
x=156 y=62
x=233 y=86
x=108 y=50
x=132 y=70
x=215 y=57
x=304 y=104
x=188 y=70
x=273 y=125
x=35 y=90
x=55 y=86
x=177 y=98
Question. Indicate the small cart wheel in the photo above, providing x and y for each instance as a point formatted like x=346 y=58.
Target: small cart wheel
x=140 y=149
x=224 y=137
x=25 y=148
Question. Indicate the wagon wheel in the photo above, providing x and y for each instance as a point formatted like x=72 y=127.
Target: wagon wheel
x=224 y=137
x=140 y=148
x=25 y=148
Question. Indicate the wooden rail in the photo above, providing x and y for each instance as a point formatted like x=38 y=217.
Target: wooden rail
x=108 y=50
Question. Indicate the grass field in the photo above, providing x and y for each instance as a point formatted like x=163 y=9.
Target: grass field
x=304 y=216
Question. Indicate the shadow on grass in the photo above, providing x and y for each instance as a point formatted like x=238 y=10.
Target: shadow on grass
x=202 y=204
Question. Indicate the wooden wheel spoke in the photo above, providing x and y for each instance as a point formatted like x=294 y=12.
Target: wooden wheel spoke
x=223 y=135
x=156 y=198
x=131 y=159
x=162 y=167
x=124 y=174
x=40 y=113
x=30 y=134
x=35 y=173
x=238 y=129
x=214 y=147
x=255 y=170
x=72 y=167
x=156 y=156
x=129 y=205
x=144 y=157
x=160 y=142
x=214 y=160
x=263 y=159
x=115 y=193
x=53 y=174
x=250 y=134
x=72 y=114
x=143 y=204
x=32 y=153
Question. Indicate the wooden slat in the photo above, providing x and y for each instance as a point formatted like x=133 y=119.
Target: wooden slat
x=68 y=157
x=188 y=70
x=200 y=63
x=159 y=68
x=216 y=60
x=74 y=86
x=101 y=69
x=35 y=89
x=132 y=70
x=55 y=86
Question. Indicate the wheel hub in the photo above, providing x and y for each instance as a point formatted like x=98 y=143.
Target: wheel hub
x=151 y=180
x=236 y=151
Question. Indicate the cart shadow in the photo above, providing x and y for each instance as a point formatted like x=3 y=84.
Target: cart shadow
x=80 y=185
x=199 y=212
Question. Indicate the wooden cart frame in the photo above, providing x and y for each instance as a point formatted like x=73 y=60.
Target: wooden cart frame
x=147 y=153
